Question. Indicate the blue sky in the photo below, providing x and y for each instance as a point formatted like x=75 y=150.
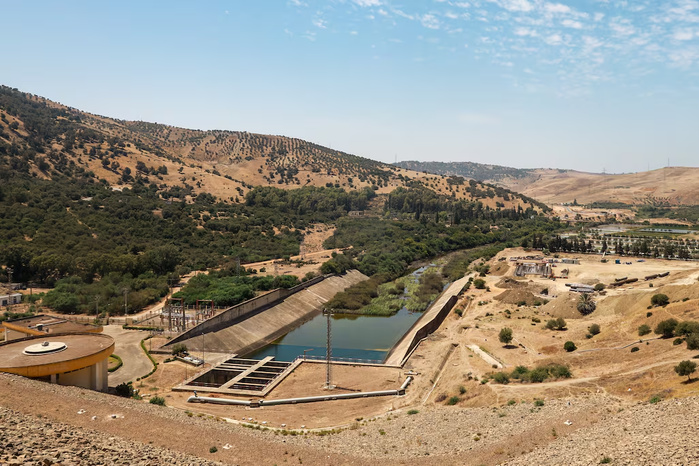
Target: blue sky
x=589 y=85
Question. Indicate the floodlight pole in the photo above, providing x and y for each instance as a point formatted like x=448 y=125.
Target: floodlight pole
x=328 y=350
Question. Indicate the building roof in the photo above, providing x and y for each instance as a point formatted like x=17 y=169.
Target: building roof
x=48 y=325
x=64 y=353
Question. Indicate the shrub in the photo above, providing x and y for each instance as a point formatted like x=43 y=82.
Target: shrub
x=213 y=450
x=687 y=328
x=179 y=349
x=538 y=375
x=666 y=328
x=501 y=378
x=561 y=324
x=605 y=460
x=124 y=389
x=594 y=329
x=538 y=402
x=505 y=335
x=649 y=314
x=479 y=283
x=569 y=346
x=413 y=411
x=643 y=330
x=634 y=349
x=599 y=287
x=659 y=300
x=157 y=400
x=677 y=341
x=462 y=389
x=655 y=399
x=693 y=341
x=453 y=400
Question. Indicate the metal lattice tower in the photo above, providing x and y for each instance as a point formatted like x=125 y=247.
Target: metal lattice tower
x=328 y=350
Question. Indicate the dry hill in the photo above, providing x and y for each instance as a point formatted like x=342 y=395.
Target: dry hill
x=226 y=164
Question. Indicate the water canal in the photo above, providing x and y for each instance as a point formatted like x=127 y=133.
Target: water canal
x=353 y=336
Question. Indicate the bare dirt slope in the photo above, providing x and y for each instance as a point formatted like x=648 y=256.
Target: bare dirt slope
x=674 y=185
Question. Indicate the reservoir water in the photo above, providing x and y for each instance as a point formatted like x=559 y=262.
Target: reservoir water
x=353 y=336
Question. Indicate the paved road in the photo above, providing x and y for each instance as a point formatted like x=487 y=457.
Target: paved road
x=128 y=348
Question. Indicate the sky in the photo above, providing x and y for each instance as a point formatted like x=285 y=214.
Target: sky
x=595 y=85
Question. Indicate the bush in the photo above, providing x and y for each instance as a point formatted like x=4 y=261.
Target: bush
x=660 y=300
x=569 y=346
x=634 y=349
x=505 y=335
x=124 y=389
x=643 y=330
x=501 y=378
x=649 y=314
x=594 y=329
x=599 y=287
x=539 y=403
x=179 y=349
x=558 y=324
x=666 y=328
x=157 y=400
x=453 y=400
x=213 y=450
x=462 y=389
x=655 y=399
x=686 y=328
x=413 y=411
x=479 y=283
x=677 y=341
x=693 y=341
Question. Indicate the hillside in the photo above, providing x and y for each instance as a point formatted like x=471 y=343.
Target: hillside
x=471 y=170
x=225 y=164
x=665 y=186
x=671 y=186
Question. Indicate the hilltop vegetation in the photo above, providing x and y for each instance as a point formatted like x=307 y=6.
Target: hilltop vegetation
x=470 y=170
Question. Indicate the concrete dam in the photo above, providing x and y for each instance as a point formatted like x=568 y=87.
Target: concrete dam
x=253 y=324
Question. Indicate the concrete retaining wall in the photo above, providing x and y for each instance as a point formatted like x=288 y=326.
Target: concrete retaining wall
x=235 y=313
x=244 y=333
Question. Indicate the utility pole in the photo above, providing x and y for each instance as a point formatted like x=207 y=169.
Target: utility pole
x=9 y=282
x=328 y=350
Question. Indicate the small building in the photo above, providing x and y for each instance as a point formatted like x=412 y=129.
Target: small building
x=78 y=359
x=10 y=299
x=542 y=269
x=41 y=325
x=355 y=213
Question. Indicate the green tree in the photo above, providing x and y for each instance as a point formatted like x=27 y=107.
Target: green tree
x=586 y=305
x=594 y=329
x=643 y=330
x=659 y=299
x=666 y=328
x=686 y=368
x=505 y=335
x=693 y=341
x=479 y=283
x=569 y=346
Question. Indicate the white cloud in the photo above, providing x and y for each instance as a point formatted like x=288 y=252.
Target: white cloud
x=570 y=23
x=320 y=23
x=430 y=21
x=683 y=34
x=525 y=32
x=622 y=26
x=367 y=3
x=556 y=8
x=553 y=39
x=516 y=5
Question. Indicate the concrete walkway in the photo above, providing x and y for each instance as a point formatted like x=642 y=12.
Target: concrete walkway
x=128 y=348
x=400 y=350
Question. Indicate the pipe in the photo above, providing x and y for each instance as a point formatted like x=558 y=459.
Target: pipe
x=407 y=382
x=339 y=396
x=220 y=401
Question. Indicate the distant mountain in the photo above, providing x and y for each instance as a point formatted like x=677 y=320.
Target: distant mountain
x=471 y=170
x=666 y=186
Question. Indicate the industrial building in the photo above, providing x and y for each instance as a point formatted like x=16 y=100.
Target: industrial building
x=66 y=359
x=44 y=325
x=10 y=299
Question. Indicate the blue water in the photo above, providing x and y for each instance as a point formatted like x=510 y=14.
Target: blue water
x=353 y=336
